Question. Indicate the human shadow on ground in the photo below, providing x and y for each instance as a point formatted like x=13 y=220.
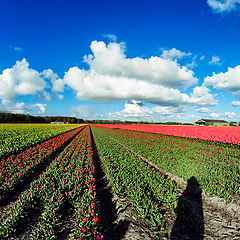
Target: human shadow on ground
x=190 y=220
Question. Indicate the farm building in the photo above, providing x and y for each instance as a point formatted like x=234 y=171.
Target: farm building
x=211 y=122
x=58 y=123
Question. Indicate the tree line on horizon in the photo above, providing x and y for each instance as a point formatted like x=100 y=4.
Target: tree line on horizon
x=9 y=117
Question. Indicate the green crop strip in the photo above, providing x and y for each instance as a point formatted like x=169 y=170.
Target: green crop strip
x=215 y=166
x=16 y=137
x=70 y=179
x=148 y=189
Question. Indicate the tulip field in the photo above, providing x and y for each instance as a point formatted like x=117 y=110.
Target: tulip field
x=216 y=167
x=15 y=137
x=64 y=159
x=220 y=134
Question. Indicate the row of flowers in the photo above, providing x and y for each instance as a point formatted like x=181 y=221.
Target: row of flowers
x=17 y=137
x=69 y=180
x=16 y=168
x=212 y=164
x=219 y=134
x=130 y=176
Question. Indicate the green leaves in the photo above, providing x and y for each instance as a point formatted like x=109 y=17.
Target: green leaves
x=130 y=176
x=212 y=164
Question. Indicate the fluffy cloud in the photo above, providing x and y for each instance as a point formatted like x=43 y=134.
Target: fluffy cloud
x=230 y=115
x=60 y=96
x=136 y=110
x=110 y=60
x=228 y=81
x=57 y=83
x=20 y=80
x=224 y=5
x=97 y=87
x=21 y=107
x=111 y=37
x=203 y=110
x=84 y=111
x=215 y=61
x=215 y=115
x=235 y=103
x=43 y=96
x=113 y=76
x=174 y=54
x=201 y=96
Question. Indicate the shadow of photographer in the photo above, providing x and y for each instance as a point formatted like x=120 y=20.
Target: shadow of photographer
x=190 y=221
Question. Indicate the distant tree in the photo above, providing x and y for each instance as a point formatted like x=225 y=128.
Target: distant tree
x=233 y=123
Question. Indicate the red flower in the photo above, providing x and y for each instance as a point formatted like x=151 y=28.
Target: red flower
x=95 y=219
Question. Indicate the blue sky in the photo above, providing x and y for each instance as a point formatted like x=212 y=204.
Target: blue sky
x=129 y=60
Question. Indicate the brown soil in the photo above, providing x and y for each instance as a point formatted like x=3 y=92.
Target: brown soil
x=68 y=223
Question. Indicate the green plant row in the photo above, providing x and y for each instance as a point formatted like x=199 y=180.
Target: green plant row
x=17 y=137
x=130 y=176
x=15 y=169
x=216 y=167
x=68 y=180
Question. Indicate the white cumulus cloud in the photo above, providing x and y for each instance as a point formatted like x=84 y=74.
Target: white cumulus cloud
x=235 y=103
x=89 y=85
x=22 y=108
x=110 y=36
x=57 y=83
x=85 y=111
x=111 y=60
x=215 y=115
x=60 y=96
x=227 y=81
x=20 y=80
x=174 y=54
x=230 y=115
x=136 y=110
x=215 y=61
x=224 y=5
x=203 y=110
x=113 y=76
x=201 y=96
x=227 y=116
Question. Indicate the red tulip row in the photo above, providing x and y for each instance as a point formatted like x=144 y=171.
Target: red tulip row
x=18 y=137
x=147 y=188
x=213 y=165
x=69 y=179
x=16 y=168
x=220 y=134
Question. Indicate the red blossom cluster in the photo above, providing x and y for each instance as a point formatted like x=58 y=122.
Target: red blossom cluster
x=219 y=134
